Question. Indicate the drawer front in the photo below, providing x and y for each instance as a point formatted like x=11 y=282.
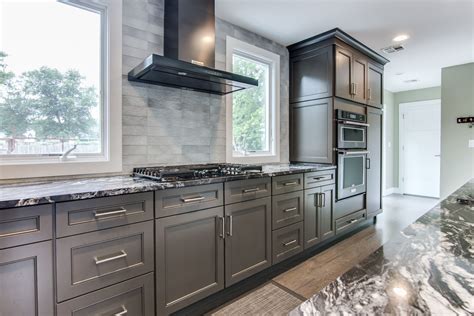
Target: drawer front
x=95 y=260
x=182 y=200
x=348 y=222
x=79 y=217
x=287 y=242
x=24 y=225
x=132 y=297
x=244 y=190
x=319 y=178
x=349 y=206
x=288 y=183
x=287 y=209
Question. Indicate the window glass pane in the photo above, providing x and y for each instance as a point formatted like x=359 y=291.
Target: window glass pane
x=250 y=108
x=50 y=78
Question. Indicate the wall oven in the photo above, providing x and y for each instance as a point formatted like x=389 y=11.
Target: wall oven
x=351 y=130
x=351 y=172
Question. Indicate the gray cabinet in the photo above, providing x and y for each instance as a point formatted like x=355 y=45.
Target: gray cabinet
x=248 y=239
x=312 y=131
x=375 y=86
x=318 y=215
x=287 y=183
x=287 y=209
x=287 y=242
x=26 y=280
x=374 y=162
x=343 y=73
x=189 y=258
x=245 y=190
x=311 y=75
x=359 y=79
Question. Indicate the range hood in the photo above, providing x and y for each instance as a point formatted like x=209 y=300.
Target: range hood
x=189 y=52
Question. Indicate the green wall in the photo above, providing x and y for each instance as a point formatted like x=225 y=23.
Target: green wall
x=457 y=160
x=392 y=102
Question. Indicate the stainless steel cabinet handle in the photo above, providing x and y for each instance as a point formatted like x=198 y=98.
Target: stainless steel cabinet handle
x=320 y=178
x=222 y=232
x=98 y=214
x=323 y=199
x=250 y=190
x=289 y=243
x=352 y=221
x=355 y=88
x=290 y=183
x=368 y=163
x=194 y=199
x=352 y=88
x=369 y=93
x=291 y=209
x=230 y=225
x=99 y=260
x=123 y=312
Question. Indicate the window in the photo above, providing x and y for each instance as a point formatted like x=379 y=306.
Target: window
x=253 y=114
x=55 y=84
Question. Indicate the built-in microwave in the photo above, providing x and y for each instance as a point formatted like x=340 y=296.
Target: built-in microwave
x=351 y=130
x=351 y=172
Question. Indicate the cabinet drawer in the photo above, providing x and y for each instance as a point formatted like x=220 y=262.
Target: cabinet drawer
x=95 y=260
x=288 y=183
x=287 y=242
x=319 y=178
x=348 y=222
x=244 y=190
x=24 y=225
x=132 y=297
x=349 y=206
x=287 y=209
x=182 y=200
x=84 y=216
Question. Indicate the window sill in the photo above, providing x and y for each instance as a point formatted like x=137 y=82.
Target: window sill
x=254 y=159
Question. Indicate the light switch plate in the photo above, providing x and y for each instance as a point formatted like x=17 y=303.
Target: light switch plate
x=471 y=143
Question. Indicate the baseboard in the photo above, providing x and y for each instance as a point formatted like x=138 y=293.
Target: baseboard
x=391 y=191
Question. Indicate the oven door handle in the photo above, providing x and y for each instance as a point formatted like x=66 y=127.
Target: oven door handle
x=353 y=152
x=354 y=123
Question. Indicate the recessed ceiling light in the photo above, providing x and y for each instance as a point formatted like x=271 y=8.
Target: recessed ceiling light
x=401 y=38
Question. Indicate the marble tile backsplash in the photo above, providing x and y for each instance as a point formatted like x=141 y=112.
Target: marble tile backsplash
x=164 y=125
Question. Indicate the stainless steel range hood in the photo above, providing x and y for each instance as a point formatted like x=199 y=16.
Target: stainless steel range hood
x=189 y=52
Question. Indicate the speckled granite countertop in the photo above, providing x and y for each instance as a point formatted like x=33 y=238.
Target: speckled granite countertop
x=16 y=195
x=426 y=270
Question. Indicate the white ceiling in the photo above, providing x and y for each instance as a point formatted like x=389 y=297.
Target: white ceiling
x=441 y=31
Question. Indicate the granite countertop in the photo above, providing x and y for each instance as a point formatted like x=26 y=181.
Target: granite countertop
x=16 y=195
x=427 y=269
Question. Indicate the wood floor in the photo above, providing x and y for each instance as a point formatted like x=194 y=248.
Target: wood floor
x=306 y=279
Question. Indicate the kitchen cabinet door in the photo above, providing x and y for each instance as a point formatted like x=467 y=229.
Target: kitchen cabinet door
x=343 y=72
x=26 y=280
x=374 y=161
x=189 y=258
x=311 y=75
x=248 y=245
x=359 y=79
x=375 y=86
x=311 y=217
x=312 y=131
x=327 y=211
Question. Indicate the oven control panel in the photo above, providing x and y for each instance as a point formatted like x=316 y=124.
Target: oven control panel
x=345 y=115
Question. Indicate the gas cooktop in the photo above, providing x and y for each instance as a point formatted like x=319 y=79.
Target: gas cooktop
x=194 y=172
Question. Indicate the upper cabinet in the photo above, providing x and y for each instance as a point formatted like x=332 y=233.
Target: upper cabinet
x=333 y=64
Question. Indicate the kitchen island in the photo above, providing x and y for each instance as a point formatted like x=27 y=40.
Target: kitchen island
x=427 y=269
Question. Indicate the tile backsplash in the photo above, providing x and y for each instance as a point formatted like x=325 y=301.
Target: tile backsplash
x=164 y=125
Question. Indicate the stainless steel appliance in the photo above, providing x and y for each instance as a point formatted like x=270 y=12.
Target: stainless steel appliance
x=351 y=172
x=351 y=130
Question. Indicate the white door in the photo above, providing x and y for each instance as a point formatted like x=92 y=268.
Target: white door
x=420 y=146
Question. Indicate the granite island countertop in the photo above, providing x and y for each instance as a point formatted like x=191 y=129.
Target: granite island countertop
x=427 y=269
x=23 y=194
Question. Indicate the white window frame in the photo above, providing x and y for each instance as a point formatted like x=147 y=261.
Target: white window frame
x=110 y=158
x=235 y=46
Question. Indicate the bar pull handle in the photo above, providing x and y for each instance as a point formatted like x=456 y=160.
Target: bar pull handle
x=352 y=88
x=323 y=199
x=222 y=229
x=250 y=190
x=369 y=94
x=355 y=88
x=123 y=312
x=193 y=199
x=290 y=183
x=368 y=163
x=230 y=225
x=99 y=215
x=100 y=260
x=286 y=244
x=291 y=209
x=352 y=221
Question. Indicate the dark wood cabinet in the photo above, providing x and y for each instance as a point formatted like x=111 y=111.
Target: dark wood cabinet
x=375 y=86
x=189 y=258
x=312 y=131
x=374 y=161
x=311 y=75
x=26 y=280
x=327 y=229
x=248 y=245
x=318 y=214
x=359 y=79
x=343 y=73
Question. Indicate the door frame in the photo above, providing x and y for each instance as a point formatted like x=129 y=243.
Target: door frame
x=401 y=137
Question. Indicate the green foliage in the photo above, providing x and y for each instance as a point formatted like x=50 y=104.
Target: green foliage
x=5 y=76
x=248 y=112
x=47 y=102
